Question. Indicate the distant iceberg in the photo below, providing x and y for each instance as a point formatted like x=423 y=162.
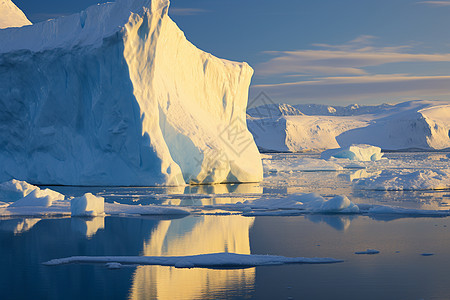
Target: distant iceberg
x=410 y=125
x=116 y=95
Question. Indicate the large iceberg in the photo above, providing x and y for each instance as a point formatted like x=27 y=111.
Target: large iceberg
x=116 y=95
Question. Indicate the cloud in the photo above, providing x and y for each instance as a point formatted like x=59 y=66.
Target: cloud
x=186 y=11
x=351 y=89
x=347 y=59
x=436 y=3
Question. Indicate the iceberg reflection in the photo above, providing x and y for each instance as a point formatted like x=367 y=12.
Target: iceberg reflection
x=190 y=236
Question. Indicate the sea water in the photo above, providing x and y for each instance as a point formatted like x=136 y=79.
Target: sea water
x=399 y=271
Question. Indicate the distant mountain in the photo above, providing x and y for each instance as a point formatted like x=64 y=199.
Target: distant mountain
x=408 y=125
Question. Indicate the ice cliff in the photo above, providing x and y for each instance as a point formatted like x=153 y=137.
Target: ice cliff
x=116 y=95
x=410 y=125
x=11 y=15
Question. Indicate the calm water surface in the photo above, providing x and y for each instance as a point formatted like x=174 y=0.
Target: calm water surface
x=399 y=271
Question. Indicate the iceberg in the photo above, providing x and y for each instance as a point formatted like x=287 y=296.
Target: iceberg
x=116 y=96
x=354 y=152
x=87 y=205
x=409 y=125
x=11 y=15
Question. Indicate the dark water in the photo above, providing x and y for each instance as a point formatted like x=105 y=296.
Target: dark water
x=399 y=271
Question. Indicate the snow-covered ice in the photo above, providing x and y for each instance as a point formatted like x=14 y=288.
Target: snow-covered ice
x=354 y=152
x=37 y=198
x=397 y=180
x=11 y=15
x=15 y=189
x=116 y=95
x=212 y=260
x=87 y=205
x=409 y=125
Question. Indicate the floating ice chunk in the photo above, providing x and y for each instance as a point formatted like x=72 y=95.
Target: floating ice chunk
x=368 y=251
x=355 y=152
x=14 y=190
x=87 y=206
x=213 y=260
x=397 y=180
x=113 y=266
x=38 y=197
x=317 y=204
x=395 y=210
x=296 y=204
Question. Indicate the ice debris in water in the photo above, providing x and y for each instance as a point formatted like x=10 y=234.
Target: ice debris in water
x=368 y=251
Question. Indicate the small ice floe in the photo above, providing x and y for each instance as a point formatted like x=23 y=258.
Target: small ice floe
x=427 y=254
x=354 y=152
x=213 y=260
x=114 y=265
x=87 y=205
x=368 y=251
x=401 y=211
x=293 y=205
x=397 y=180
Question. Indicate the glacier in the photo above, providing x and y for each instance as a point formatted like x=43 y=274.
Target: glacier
x=410 y=125
x=115 y=95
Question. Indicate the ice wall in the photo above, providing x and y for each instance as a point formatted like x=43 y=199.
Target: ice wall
x=116 y=95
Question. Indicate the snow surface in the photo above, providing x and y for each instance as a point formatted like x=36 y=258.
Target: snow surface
x=213 y=260
x=409 y=125
x=15 y=189
x=398 y=180
x=116 y=96
x=87 y=205
x=11 y=15
x=38 y=198
x=354 y=152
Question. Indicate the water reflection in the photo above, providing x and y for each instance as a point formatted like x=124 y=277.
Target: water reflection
x=18 y=226
x=87 y=226
x=191 y=236
x=340 y=223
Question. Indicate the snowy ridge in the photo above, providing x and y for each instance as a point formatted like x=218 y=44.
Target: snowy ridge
x=11 y=15
x=116 y=95
x=409 y=125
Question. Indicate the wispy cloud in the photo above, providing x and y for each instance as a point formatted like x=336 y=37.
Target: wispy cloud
x=436 y=3
x=351 y=89
x=186 y=11
x=348 y=59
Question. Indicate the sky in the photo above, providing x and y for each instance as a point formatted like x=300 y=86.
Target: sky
x=316 y=51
